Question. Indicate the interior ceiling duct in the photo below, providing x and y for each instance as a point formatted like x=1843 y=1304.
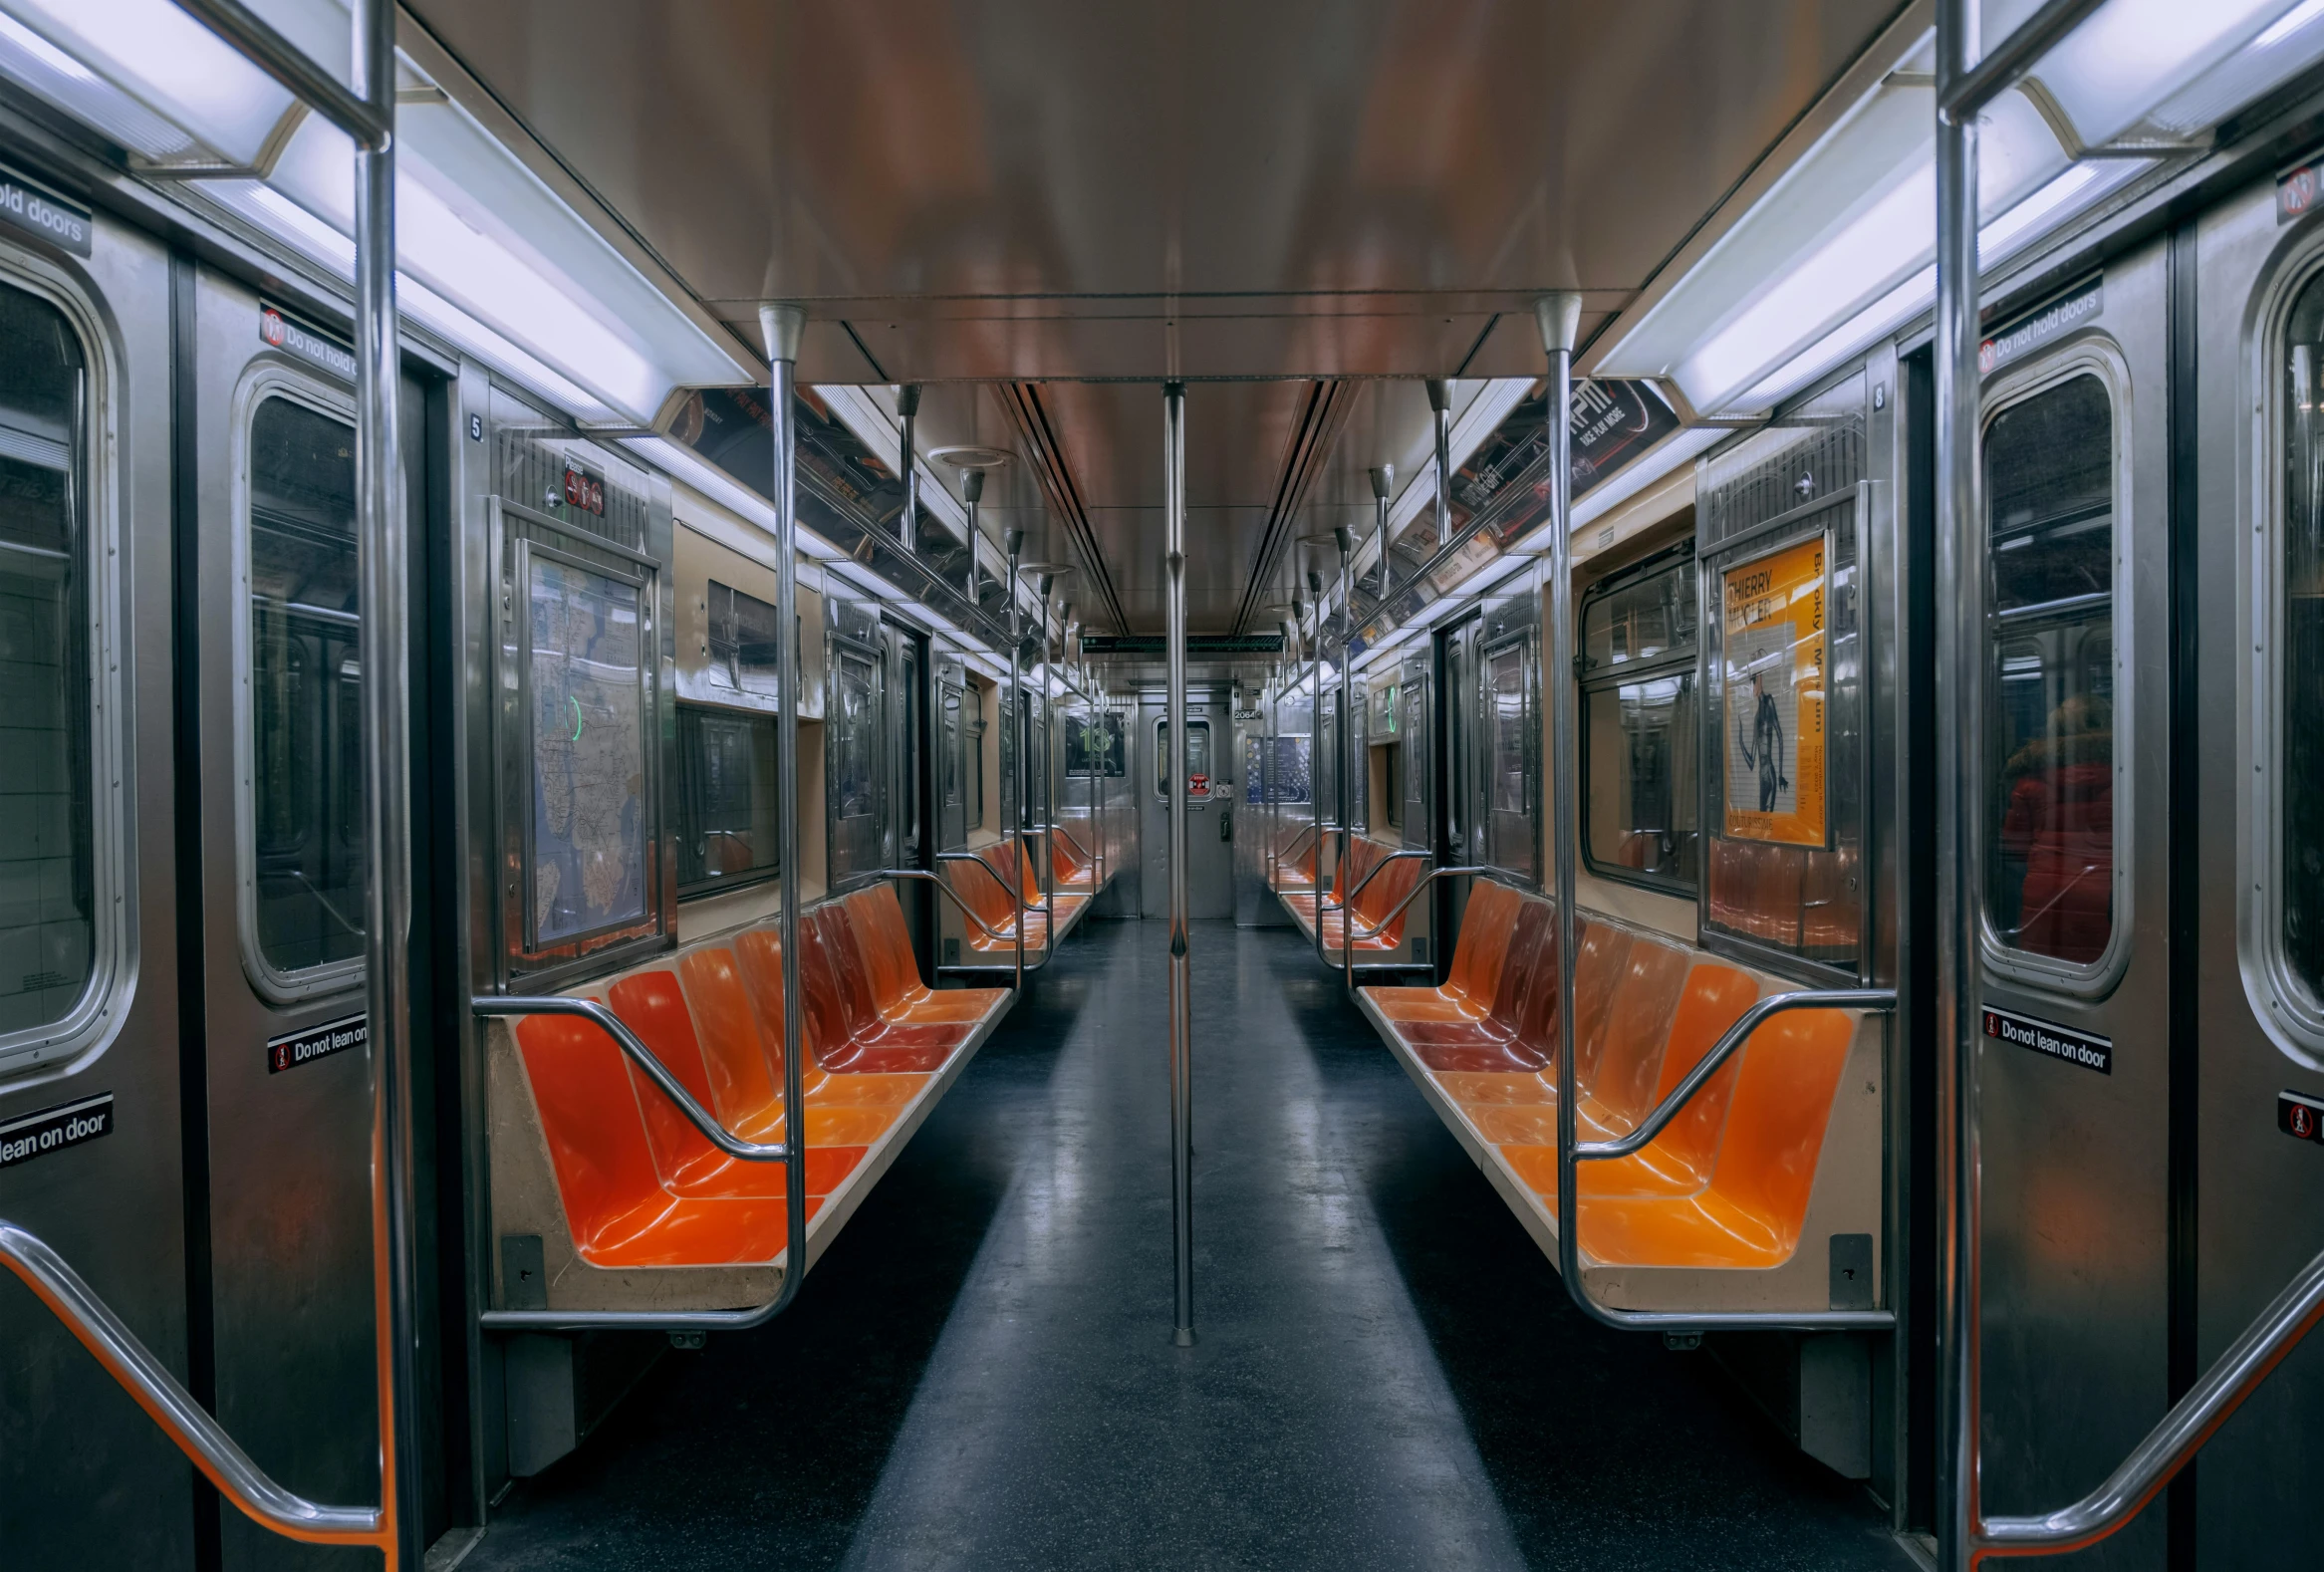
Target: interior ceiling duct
x=1305 y=454
x=1046 y=457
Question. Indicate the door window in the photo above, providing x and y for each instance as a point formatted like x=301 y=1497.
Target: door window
x=1198 y=755
x=306 y=690
x=2298 y=809
x=48 y=866
x=2050 y=804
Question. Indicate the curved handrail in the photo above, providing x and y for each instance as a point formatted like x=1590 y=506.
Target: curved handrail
x=1570 y=1152
x=993 y=873
x=991 y=932
x=203 y=1440
x=1326 y=903
x=1071 y=840
x=2177 y=1437
x=1724 y=1049
x=513 y=1007
x=949 y=894
x=1347 y=928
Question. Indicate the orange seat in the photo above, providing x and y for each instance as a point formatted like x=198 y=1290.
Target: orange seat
x=619 y=1210
x=1467 y=993
x=1494 y=1044
x=886 y=945
x=759 y=952
x=841 y=1021
x=651 y=1004
x=732 y=1033
x=1751 y=1212
x=987 y=895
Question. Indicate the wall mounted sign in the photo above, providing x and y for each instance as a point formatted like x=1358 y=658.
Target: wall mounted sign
x=294 y=1049
x=2080 y=1048
x=2053 y=321
x=55 y=1128
x=1773 y=663
x=584 y=490
x=2297 y=191
x=279 y=330
x=43 y=213
x=2300 y=1117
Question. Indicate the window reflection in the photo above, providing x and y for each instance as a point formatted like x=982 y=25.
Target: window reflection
x=47 y=806
x=2300 y=649
x=2049 y=488
x=306 y=687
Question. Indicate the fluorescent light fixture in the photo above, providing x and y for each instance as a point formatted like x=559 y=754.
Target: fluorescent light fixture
x=468 y=233
x=2132 y=54
x=47 y=71
x=2081 y=187
x=161 y=56
x=1848 y=224
x=2283 y=50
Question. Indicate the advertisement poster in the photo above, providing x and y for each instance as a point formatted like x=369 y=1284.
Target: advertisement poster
x=1773 y=660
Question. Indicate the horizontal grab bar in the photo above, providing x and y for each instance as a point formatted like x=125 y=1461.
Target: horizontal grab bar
x=1325 y=903
x=512 y=1006
x=202 y=1440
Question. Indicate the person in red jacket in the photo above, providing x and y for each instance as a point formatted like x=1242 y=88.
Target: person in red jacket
x=2059 y=827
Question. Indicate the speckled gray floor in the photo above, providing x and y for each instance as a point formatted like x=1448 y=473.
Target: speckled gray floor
x=981 y=1375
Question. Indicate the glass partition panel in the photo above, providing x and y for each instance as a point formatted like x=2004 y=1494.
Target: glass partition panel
x=584 y=675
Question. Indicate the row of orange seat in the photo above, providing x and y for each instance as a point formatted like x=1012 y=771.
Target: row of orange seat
x=1004 y=891
x=1381 y=879
x=1734 y=1184
x=590 y=1156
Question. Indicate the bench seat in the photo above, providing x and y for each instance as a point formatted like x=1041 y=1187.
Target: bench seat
x=634 y=1207
x=1778 y=1152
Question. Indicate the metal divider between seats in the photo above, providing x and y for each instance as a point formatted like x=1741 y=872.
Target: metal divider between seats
x=1347 y=926
x=515 y=1006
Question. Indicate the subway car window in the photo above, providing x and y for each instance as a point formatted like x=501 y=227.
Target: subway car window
x=306 y=776
x=726 y=833
x=2049 y=486
x=1640 y=787
x=48 y=927
x=586 y=843
x=2300 y=645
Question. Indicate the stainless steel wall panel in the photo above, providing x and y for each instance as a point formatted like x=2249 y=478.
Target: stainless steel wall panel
x=2260 y=1207
x=2076 y=1203
x=86 y=1480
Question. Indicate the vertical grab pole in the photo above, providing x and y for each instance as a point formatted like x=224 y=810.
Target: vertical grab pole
x=1346 y=794
x=1181 y=963
x=1017 y=730
x=1383 y=481
x=386 y=667
x=1961 y=630
x=781 y=325
x=1559 y=317
x=972 y=492
x=1045 y=865
x=1315 y=755
x=907 y=467
x=1440 y=406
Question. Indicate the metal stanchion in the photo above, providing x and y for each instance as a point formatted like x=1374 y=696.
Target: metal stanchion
x=907 y=467
x=781 y=327
x=1344 y=803
x=1182 y=965
x=1960 y=627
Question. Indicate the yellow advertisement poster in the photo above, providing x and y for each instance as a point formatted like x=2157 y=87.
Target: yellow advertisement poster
x=1773 y=660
